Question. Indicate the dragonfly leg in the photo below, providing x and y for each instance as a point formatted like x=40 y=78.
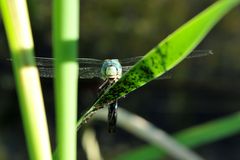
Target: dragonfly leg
x=103 y=86
x=112 y=117
x=107 y=83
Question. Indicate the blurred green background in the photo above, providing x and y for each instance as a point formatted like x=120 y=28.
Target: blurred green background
x=200 y=89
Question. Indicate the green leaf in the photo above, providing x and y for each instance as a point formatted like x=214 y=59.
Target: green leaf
x=165 y=55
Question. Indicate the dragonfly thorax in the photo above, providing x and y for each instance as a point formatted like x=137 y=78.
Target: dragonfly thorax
x=111 y=69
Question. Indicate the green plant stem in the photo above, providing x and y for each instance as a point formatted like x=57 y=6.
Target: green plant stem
x=17 y=25
x=65 y=42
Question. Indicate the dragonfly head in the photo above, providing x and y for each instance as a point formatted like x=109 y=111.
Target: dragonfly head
x=111 y=68
x=111 y=71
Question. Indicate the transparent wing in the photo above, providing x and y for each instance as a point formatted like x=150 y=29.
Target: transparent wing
x=88 y=67
x=46 y=72
x=48 y=62
x=200 y=53
x=194 y=54
x=89 y=72
x=83 y=62
x=44 y=62
x=131 y=61
x=84 y=73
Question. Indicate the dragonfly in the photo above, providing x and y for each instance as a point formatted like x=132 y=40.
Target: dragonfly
x=109 y=70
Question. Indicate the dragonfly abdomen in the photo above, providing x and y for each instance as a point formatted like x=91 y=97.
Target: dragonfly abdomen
x=112 y=117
